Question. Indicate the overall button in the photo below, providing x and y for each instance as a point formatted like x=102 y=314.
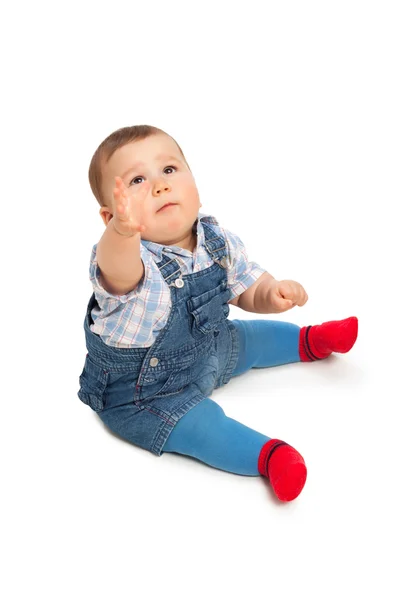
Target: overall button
x=154 y=362
x=179 y=283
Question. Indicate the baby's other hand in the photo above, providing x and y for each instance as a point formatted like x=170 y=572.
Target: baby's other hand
x=128 y=208
x=284 y=295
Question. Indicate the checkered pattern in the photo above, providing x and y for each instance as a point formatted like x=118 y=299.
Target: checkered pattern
x=136 y=318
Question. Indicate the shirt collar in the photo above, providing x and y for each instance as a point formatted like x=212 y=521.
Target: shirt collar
x=158 y=249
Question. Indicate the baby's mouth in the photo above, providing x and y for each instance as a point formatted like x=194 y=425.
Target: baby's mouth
x=168 y=205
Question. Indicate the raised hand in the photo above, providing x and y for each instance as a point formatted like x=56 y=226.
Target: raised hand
x=129 y=207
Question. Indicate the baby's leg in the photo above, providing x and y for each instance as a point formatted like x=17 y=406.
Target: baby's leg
x=265 y=343
x=206 y=433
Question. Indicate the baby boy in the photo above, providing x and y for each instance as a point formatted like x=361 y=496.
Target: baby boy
x=158 y=336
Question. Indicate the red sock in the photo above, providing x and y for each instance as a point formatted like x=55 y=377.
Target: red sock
x=319 y=341
x=284 y=467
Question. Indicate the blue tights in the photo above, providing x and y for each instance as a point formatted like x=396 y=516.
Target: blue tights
x=206 y=433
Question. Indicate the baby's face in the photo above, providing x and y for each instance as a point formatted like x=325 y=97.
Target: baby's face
x=156 y=160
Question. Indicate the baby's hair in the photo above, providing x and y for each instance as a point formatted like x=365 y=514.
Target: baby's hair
x=116 y=140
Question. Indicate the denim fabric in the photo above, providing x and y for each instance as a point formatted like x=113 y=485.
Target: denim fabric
x=141 y=393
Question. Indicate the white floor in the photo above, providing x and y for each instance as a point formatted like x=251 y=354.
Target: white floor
x=289 y=120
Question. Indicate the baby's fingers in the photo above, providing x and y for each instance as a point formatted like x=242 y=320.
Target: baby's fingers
x=280 y=304
x=138 y=191
x=303 y=298
x=120 y=186
x=284 y=304
x=121 y=202
x=130 y=205
x=120 y=191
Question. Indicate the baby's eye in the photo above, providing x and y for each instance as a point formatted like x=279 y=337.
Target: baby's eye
x=140 y=177
x=135 y=178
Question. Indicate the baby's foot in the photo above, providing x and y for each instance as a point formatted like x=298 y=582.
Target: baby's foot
x=319 y=341
x=284 y=467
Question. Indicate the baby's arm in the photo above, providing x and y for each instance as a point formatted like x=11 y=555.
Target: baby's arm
x=118 y=251
x=118 y=258
x=267 y=295
x=262 y=292
x=246 y=300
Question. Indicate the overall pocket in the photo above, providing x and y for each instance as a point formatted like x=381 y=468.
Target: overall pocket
x=173 y=383
x=166 y=383
x=209 y=309
x=175 y=371
x=93 y=382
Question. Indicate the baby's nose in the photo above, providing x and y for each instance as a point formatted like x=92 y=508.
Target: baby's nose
x=162 y=187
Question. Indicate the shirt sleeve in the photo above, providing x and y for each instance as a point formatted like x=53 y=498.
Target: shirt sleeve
x=241 y=272
x=106 y=298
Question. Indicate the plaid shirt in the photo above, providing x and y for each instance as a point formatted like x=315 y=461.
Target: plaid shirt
x=136 y=318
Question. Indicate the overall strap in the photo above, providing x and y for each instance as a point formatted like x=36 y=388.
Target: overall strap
x=215 y=245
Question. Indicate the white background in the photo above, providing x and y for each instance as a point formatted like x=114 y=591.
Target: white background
x=288 y=114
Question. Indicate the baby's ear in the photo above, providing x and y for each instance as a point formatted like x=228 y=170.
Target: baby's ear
x=105 y=215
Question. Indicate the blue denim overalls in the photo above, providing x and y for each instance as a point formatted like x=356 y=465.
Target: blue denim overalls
x=141 y=393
